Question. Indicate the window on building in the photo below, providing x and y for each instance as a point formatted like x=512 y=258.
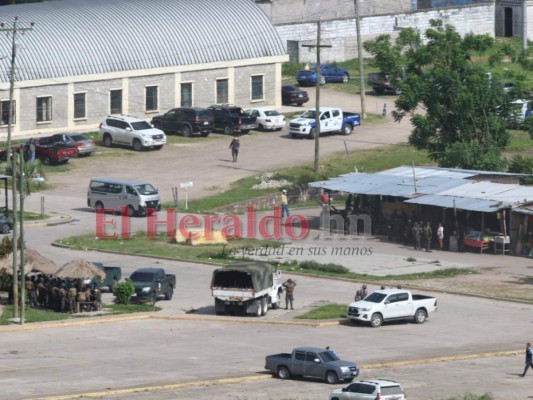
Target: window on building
x=80 y=109
x=186 y=94
x=152 y=103
x=115 y=101
x=222 y=91
x=4 y=112
x=257 y=87
x=44 y=109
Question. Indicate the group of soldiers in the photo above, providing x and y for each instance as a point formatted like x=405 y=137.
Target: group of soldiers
x=61 y=295
x=422 y=234
x=407 y=230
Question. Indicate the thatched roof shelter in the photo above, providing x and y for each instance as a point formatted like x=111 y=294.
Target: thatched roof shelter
x=33 y=262
x=80 y=269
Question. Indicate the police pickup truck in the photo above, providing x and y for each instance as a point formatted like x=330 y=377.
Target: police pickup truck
x=392 y=304
x=331 y=120
x=312 y=362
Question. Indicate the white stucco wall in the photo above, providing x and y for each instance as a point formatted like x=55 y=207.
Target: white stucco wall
x=341 y=33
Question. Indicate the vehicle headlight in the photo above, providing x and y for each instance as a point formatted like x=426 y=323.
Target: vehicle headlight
x=365 y=309
x=345 y=370
x=146 y=289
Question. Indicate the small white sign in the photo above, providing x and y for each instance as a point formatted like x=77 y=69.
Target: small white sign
x=185 y=185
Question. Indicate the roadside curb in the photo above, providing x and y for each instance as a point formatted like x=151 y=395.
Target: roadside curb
x=247 y=321
x=262 y=376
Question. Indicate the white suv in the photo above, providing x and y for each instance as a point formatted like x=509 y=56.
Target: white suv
x=130 y=131
x=371 y=389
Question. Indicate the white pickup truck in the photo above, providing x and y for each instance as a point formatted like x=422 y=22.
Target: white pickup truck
x=392 y=304
x=331 y=120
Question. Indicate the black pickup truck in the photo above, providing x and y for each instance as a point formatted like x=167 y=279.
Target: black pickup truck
x=186 y=121
x=150 y=283
x=230 y=119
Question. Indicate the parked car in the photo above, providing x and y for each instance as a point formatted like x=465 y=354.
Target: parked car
x=55 y=149
x=112 y=276
x=186 y=120
x=5 y=224
x=267 y=118
x=328 y=73
x=381 y=83
x=392 y=304
x=85 y=145
x=371 y=389
x=312 y=362
x=291 y=94
x=306 y=77
x=230 y=118
x=332 y=119
x=150 y=283
x=130 y=131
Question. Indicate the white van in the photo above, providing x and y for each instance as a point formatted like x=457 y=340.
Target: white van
x=110 y=193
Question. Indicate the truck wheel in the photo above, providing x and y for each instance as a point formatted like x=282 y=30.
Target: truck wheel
x=108 y=141
x=137 y=145
x=345 y=78
x=47 y=160
x=205 y=134
x=153 y=300
x=187 y=131
x=420 y=316
x=131 y=211
x=228 y=130
x=376 y=320
x=169 y=293
x=312 y=133
x=98 y=206
x=347 y=129
x=264 y=307
x=331 y=377
x=259 y=308
x=283 y=373
x=245 y=131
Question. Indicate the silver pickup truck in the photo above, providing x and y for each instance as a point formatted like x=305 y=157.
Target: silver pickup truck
x=312 y=362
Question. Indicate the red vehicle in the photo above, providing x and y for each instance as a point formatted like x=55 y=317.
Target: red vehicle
x=56 y=149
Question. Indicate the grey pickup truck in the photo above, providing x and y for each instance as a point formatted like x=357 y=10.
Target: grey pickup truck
x=311 y=362
x=150 y=283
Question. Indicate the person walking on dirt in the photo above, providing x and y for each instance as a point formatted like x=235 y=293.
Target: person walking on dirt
x=234 y=146
x=289 y=293
x=284 y=204
x=529 y=359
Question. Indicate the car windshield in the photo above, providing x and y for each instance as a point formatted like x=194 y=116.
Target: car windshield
x=309 y=114
x=145 y=189
x=140 y=125
x=142 y=277
x=78 y=138
x=271 y=113
x=376 y=297
x=328 y=356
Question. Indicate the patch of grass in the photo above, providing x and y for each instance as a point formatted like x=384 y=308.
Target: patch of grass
x=38 y=315
x=328 y=311
x=161 y=246
x=520 y=141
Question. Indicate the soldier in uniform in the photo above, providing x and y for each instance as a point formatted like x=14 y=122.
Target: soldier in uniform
x=62 y=293
x=361 y=293
x=417 y=233
x=71 y=299
x=427 y=233
x=289 y=293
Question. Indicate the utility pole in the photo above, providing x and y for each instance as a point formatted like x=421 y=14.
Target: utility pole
x=360 y=58
x=10 y=154
x=524 y=26
x=317 y=101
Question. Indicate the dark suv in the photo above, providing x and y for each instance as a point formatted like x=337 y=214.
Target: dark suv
x=230 y=118
x=186 y=120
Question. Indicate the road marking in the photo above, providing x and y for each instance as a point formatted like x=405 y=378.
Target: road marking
x=262 y=377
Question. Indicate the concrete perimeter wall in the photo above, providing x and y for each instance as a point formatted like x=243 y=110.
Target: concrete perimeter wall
x=341 y=33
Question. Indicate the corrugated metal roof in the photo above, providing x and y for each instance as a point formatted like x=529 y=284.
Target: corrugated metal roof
x=461 y=203
x=510 y=193
x=79 y=37
x=406 y=170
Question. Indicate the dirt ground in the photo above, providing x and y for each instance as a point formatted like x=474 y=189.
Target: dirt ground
x=207 y=163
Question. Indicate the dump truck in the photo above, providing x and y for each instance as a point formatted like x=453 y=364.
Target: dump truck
x=246 y=288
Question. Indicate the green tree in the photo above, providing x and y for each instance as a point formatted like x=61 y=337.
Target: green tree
x=457 y=110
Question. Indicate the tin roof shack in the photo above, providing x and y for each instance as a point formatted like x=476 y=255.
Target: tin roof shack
x=474 y=204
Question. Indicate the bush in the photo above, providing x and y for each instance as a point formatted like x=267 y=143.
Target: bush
x=331 y=268
x=123 y=292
